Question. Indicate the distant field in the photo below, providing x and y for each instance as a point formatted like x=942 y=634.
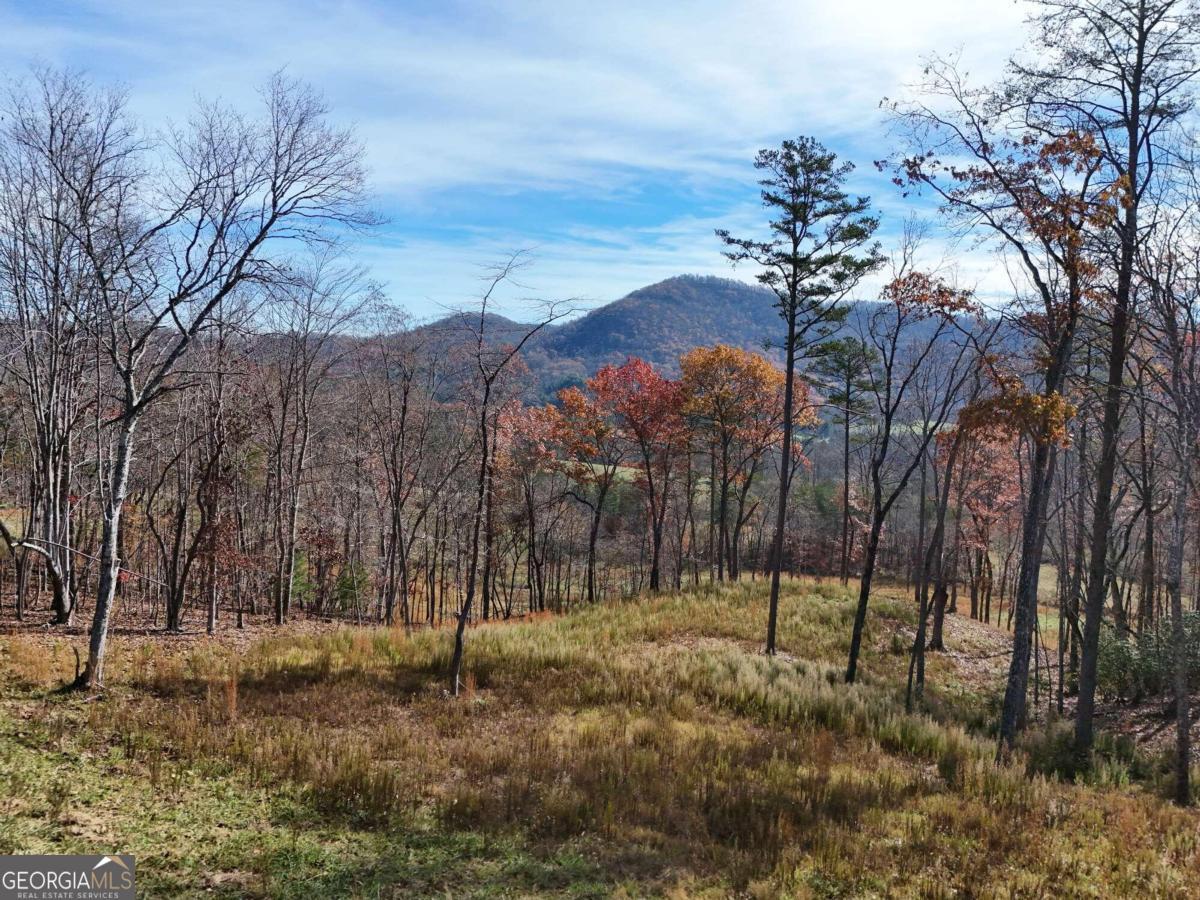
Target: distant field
x=636 y=749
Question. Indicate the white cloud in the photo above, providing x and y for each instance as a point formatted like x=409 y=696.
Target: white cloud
x=584 y=98
x=432 y=275
x=540 y=90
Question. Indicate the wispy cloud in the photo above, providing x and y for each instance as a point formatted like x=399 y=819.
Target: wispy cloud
x=612 y=137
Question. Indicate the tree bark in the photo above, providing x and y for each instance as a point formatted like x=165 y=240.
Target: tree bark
x=785 y=469
x=92 y=676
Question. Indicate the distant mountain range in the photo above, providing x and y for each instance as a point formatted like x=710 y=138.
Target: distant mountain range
x=657 y=323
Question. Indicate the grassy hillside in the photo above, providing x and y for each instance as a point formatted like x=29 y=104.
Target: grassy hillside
x=637 y=749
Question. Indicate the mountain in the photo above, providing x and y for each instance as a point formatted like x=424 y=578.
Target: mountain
x=663 y=321
x=460 y=329
x=658 y=323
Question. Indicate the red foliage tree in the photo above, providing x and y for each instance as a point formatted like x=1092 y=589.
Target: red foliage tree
x=647 y=407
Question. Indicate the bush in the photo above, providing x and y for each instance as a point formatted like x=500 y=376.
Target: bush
x=352 y=588
x=1118 y=667
x=1132 y=669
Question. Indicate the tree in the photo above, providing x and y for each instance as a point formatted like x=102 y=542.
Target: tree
x=587 y=434
x=538 y=476
x=1172 y=273
x=991 y=494
x=307 y=317
x=51 y=130
x=647 y=407
x=169 y=236
x=817 y=250
x=1120 y=71
x=736 y=397
x=416 y=446
x=957 y=454
x=1039 y=198
x=841 y=371
x=489 y=363
x=936 y=363
x=190 y=466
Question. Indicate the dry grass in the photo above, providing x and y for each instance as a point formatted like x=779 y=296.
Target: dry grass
x=654 y=735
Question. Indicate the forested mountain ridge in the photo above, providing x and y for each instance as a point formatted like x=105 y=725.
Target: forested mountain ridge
x=660 y=322
x=657 y=323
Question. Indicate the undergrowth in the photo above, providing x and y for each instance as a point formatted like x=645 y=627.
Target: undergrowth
x=648 y=743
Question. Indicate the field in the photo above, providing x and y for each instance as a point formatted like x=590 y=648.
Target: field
x=636 y=749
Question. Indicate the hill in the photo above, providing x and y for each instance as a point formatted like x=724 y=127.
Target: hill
x=658 y=323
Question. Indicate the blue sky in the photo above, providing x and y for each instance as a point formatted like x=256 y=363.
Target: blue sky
x=610 y=138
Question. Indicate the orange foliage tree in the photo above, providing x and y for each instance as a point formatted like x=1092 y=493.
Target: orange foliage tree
x=593 y=449
x=734 y=398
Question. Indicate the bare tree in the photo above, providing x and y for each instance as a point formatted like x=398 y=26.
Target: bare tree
x=1041 y=202
x=171 y=230
x=52 y=125
x=1172 y=274
x=1119 y=70
x=419 y=448
x=490 y=361
x=306 y=316
x=936 y=363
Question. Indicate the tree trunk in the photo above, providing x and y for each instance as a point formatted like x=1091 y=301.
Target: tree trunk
x=92 y=676
x=864 y=594
x=785 y=470
x=593 y=537
x=1106 y=468
x=1024 y=602
x=1183 y=791
x=845 y=567
x=481 y=493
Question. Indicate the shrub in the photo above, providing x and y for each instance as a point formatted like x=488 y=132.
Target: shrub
x=1132 y=669
x=1117 y=666
x=352 y=588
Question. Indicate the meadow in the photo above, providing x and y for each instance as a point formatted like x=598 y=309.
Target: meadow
x=643 y=748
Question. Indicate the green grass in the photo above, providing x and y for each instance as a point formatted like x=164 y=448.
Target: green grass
x=199 y=830
x=641 y=748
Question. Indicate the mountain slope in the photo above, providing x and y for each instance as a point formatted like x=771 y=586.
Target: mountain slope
x=657 y=323
x=661 y=321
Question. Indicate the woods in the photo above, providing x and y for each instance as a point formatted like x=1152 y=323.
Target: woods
x=214 y=419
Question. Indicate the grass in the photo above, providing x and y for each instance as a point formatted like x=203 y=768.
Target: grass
x=641 y=748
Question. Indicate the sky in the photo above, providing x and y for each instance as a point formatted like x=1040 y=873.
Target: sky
x=609 y=139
